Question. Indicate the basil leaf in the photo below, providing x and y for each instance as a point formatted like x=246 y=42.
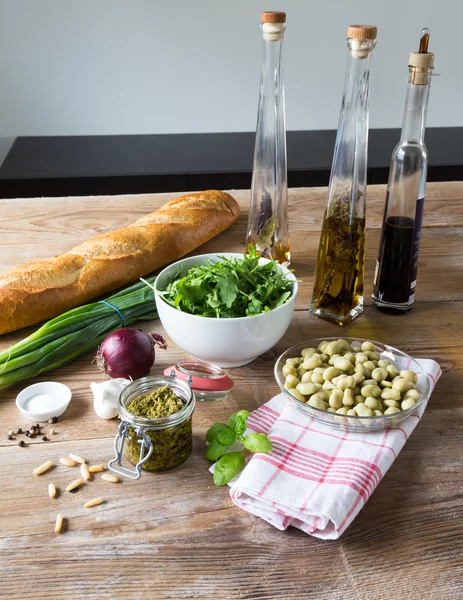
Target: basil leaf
x=226 y=436
x=257 y=442
x=228 y=466
x=215 y=450
x=241 y=422
x=243 y=414
x=212 y=432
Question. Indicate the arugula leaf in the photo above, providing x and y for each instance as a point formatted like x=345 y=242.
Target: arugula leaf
x=227 y=288
x=233 y=287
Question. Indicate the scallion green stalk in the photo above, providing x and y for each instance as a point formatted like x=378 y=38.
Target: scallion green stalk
x=75 y=332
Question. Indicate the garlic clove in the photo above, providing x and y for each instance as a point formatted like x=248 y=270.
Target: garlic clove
x=106 y=396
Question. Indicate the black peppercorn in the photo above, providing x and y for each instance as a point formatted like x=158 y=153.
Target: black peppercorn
x=21 y=443
x=20 y=430
x=10 y=437
x=55 y=419
x=45 y=439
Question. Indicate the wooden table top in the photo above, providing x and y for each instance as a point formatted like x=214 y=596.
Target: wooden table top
x=176 y=535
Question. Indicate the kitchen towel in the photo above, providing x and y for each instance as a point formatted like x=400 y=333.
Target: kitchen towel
x=317 y=478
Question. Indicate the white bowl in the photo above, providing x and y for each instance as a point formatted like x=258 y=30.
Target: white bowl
x=224 y=342
x=55 y=400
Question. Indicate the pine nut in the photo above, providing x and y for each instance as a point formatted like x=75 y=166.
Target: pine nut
x=76 y=483
x=51 y=490
x=85 y=472
x=43 y=468
x=68 y=462
x=59 y=523
x=110 y=477
x=76 y=458
x=52 y=431
x=94 y=502
x=96 y=468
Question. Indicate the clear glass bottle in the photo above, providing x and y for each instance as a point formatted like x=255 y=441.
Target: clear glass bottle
x=268 y=212
x=338 y=288
x=397 y=264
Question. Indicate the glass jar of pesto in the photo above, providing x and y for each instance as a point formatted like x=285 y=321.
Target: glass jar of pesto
x=155 y=432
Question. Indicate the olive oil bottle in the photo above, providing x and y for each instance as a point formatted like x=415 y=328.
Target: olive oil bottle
x=338 y=288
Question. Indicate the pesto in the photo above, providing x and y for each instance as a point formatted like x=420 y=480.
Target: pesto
x=160 y=403
x=171 y=445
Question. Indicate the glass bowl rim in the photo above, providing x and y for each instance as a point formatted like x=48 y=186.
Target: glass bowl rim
x=310 y=343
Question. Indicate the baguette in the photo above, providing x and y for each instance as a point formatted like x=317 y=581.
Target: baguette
x=42 y=290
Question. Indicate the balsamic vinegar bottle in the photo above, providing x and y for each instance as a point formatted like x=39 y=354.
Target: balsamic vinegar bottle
x=397 y=264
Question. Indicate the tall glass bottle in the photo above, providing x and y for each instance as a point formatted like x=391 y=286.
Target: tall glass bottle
x=268 y=212
x=397 y=264
x=338 y=288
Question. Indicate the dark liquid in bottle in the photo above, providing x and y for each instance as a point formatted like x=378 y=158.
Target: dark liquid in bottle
x=394 y=261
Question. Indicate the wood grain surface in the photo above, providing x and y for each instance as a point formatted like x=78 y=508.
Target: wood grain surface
x=177 y=536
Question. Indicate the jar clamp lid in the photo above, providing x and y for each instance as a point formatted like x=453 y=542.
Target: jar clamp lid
x=146 y=449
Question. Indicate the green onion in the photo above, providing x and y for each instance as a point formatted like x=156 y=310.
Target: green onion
x=75 y=332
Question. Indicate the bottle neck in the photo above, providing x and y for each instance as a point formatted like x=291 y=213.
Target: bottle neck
x=349 y=169
x=271 y=64
x=416 y=106
x=356 y=86
x=271 y=128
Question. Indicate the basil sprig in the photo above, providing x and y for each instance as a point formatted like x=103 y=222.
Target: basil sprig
x=220 y=436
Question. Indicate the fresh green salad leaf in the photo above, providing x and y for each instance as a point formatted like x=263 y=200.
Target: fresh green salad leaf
x=233 y=287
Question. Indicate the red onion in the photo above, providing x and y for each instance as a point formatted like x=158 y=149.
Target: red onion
x=128 y=353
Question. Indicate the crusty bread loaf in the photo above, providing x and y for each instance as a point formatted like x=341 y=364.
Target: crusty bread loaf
x=44 y=289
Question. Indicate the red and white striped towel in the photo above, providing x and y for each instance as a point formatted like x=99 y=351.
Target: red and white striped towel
x=317 y=478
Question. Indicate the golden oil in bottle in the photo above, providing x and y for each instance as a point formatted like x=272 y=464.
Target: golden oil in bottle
x=279 y=252
x=338 y=288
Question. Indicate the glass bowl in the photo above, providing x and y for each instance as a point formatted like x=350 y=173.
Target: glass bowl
x=353 y=423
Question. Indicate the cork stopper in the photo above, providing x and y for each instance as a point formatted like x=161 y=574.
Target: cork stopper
x=362 y=32
x=273 y=16
x=422 y=60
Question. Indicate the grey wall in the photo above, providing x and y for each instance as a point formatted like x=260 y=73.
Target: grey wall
x=151 y=66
